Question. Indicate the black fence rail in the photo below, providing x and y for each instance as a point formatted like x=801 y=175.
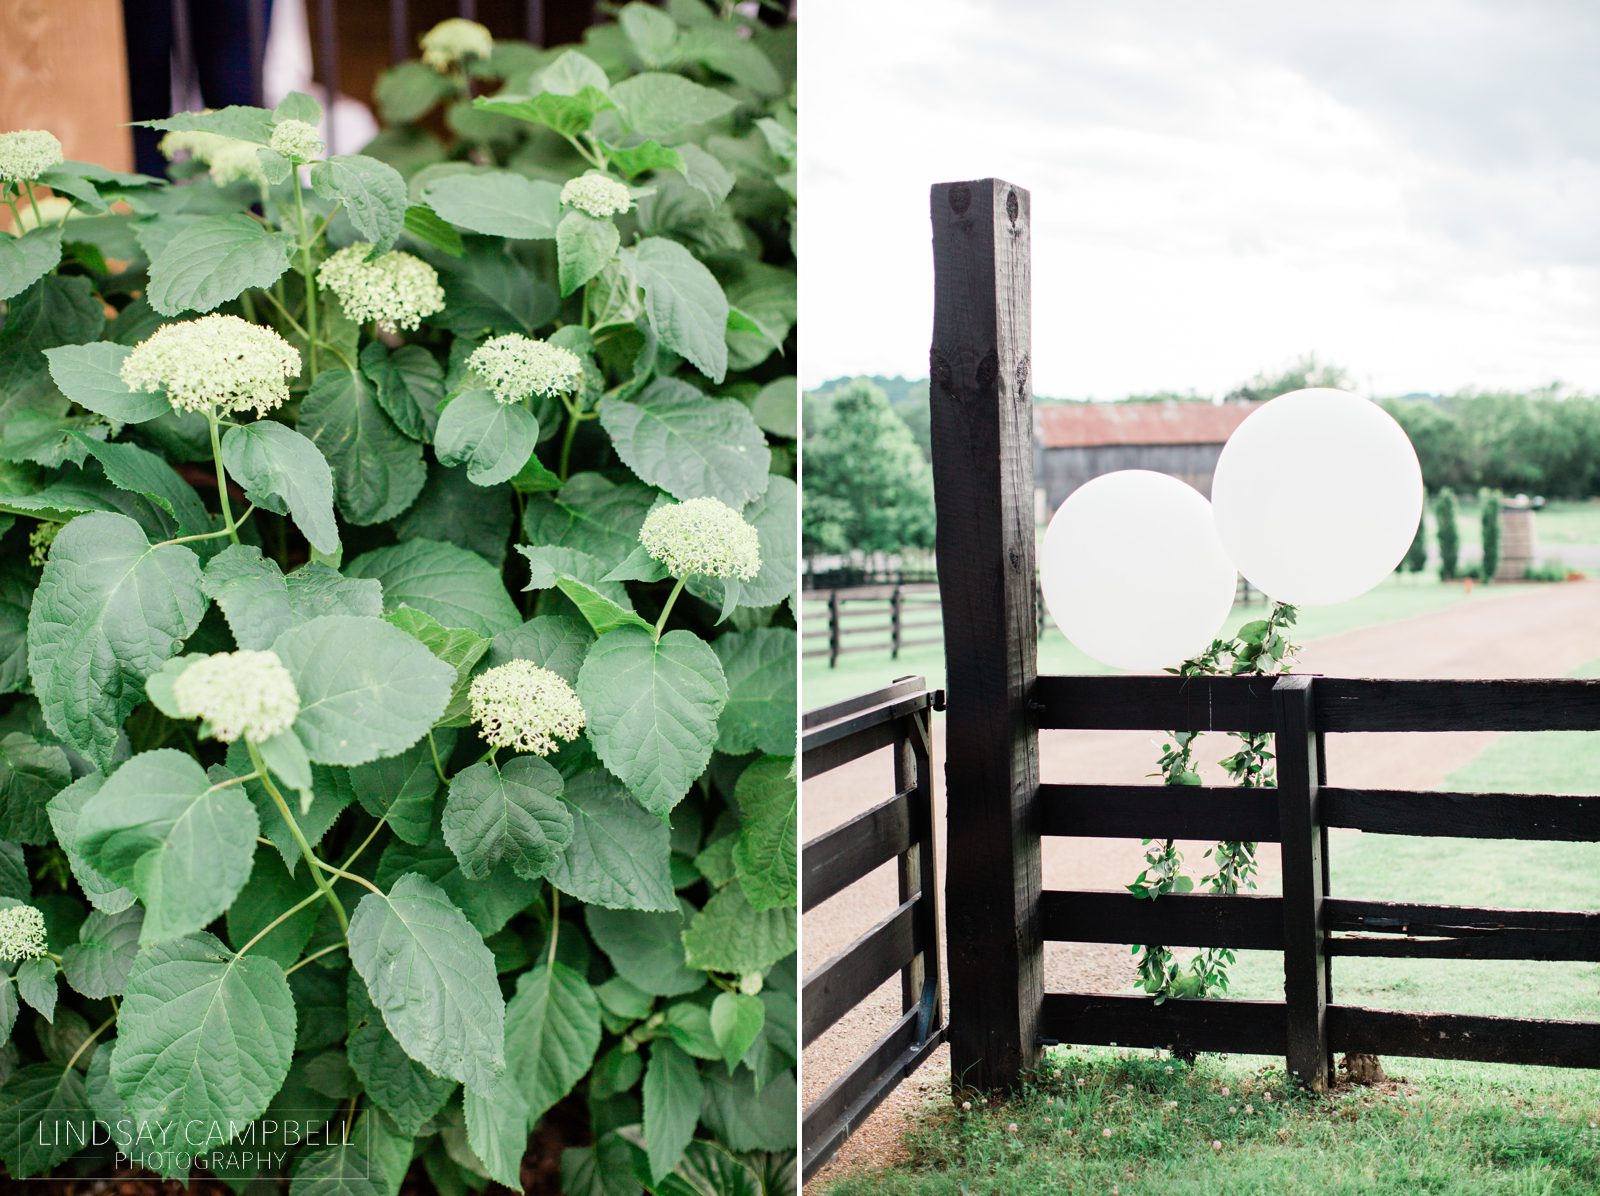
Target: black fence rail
x=876 y=618
x=1309 y=925
x=900 y=829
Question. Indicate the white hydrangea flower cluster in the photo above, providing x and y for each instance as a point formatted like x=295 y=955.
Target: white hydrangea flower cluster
x=395 y=289
x=52 y=208
x=21 y=933
x=596 y=195
x=523 y=706
x=455 y=40
x=245 y=694
x=26 y=154
x=703 y=536
x=516 y=366
x=297 y=140
x=217 y=361
x=229 y=159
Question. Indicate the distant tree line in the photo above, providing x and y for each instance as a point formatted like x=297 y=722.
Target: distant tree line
x=1544 y=443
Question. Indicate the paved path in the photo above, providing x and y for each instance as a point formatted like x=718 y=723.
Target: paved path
x=1543 y=631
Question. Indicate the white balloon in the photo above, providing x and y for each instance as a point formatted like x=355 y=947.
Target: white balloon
x=1317 y=496
x=1133 y=573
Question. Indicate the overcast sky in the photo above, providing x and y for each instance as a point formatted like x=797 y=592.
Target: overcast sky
x=1410 y=189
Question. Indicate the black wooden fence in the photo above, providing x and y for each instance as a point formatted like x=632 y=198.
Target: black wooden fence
x=1000 y=917
x=907 y=940
x=877 y=618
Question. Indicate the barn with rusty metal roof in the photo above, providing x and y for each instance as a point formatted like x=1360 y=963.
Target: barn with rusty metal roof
x=1074 y=442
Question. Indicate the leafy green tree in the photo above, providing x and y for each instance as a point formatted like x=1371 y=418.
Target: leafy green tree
x=1416 y=558
x=868 y=487
x=1490 y=500
x=1444 y=517
x=1306 y=371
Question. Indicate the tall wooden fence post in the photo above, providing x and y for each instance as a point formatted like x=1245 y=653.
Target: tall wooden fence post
x=896 y=607
x=1304 y=948
x=981 y=400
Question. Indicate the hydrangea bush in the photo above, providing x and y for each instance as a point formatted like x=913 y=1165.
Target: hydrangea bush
x=396 y=629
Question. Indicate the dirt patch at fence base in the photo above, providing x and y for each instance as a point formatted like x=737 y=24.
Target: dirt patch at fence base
x=1510 y=637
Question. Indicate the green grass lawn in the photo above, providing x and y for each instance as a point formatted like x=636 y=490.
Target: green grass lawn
x=1102 y=1122
x=1401 y=597
x=1452 y=1127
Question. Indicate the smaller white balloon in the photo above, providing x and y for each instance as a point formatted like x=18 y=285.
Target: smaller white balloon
x=1133 y=572
x=1317 y=496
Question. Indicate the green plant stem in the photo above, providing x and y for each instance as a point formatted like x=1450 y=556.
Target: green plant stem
x=250 y=776
x=666 y=610
x=356 y=877
x=284 y=311
x=433 y=750
x=555 y=925
x=232 y=528
x=314 y=956
x=567 y=438
x=365 y=843
x=34 y=200
x=299 y=837
x=243 y=515
x=305 y=273
x=84 y=1045
x=279 y=921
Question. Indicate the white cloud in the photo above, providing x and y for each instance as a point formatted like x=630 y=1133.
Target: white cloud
x=1412 y=190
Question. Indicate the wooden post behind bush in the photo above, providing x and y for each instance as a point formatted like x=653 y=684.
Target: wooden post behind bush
x=981 y=402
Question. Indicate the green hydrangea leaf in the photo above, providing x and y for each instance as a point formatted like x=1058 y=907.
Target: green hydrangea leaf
x=619 y=855
x=554 y=642
x=283 y=471
x=378 y=471
x=367 y=689
x=652 y=709
x=494 y=440
x=433 y=980
x=372 y=192
x=31 y=772
x=497 y=203
x=371 y=1161
x=260 y=602
x=205 y=1036
x=90 y=376
x=552 y=1034
x=764 y=856
x=646 y=948
x=43 y=1110
x=105 y=894
x=666 y=106
x=403 y=1088
x=410 y=384
x=36 y=984
x=593 y=514
x=672 y=1095
x=730 y=935
x=457 y=587
x=690 y=445
x=736 y=1021
x=98 y=964
x=584 y=246
x=214 y=259
x=158 y=827
x=686 y=304
x=497 y=1129
x=511 y=812
x=760 y=715
x=26 y=259
x=110 y=608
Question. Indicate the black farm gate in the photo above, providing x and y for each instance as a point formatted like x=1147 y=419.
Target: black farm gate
x=999 y=916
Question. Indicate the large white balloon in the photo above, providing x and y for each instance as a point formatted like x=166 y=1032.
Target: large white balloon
x=1133 y=572
x=1317 y=496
